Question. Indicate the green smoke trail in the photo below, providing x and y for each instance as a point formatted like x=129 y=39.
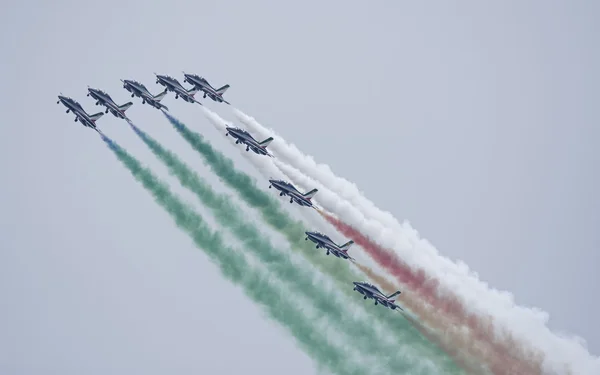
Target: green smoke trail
x=293 y=231
x=234 y=267
x=301 y=278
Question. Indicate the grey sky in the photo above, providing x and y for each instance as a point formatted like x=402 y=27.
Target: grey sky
x=474 y=122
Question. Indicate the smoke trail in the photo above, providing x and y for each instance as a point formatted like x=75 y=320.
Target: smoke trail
x=452 y=338
x=264 y=166
x=271 y=213
x=529 y=324
x=234 y=267
x=369 y=338
x=287 y=170
x=331 y=202
x=504 y=347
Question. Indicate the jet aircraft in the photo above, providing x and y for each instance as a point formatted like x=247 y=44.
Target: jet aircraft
x=243 y=137
x=173 y=85
x=371 y=291
x=203 y=85
x=322 y=240
x=285 y=188
x=80 y=114
x=105 y=100
x=139 y=90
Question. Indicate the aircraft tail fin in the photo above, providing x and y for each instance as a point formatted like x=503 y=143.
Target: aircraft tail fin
x=346 y=246
x=310 y=194
x=266 y=142
x=159 y=97
x=222 y=90
x=125 y=106
x=393 y=294
x=96 y=116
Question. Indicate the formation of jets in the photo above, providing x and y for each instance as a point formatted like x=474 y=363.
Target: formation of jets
x=138 y=89
x=241 y=137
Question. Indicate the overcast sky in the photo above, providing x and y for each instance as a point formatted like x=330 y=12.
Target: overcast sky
x=475 y=122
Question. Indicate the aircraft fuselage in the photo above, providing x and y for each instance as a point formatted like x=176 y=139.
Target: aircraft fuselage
x=203 y=86
x=173 y=85
x=107 y=101
x=142 y=93
x=369 y=292
x=80 y=114
x=293 y=193
x=326 y=243
x=249 y=141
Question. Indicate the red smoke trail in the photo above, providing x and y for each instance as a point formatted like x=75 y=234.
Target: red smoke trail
x=450 y=306
x=450 y=337
x=452 y=348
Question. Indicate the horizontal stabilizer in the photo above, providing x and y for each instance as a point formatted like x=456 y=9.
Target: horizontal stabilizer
x=393 y=294
x=266 y=142
x=193 y=91
x=160 y=96
x=222 y=90
x=311 y=193
x=125 y=106
x=346 y=246
x=96 y=116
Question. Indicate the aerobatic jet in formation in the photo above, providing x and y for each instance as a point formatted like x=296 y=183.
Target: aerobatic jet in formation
x=202 y=84
x=104 y=99
x=80 y=114
x=322 y=240
x=371 y=291
x=173 y=85
x=243 y=137
x=285 y=188
x=139 y=90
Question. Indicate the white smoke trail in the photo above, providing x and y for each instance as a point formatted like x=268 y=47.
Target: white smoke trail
x=405 y=351
x=267 y=169
x=347 y=201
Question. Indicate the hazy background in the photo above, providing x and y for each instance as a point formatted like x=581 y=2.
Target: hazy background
x=476 y=122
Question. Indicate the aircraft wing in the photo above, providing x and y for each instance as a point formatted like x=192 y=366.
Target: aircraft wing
x=96 y=116
x=125 y=106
